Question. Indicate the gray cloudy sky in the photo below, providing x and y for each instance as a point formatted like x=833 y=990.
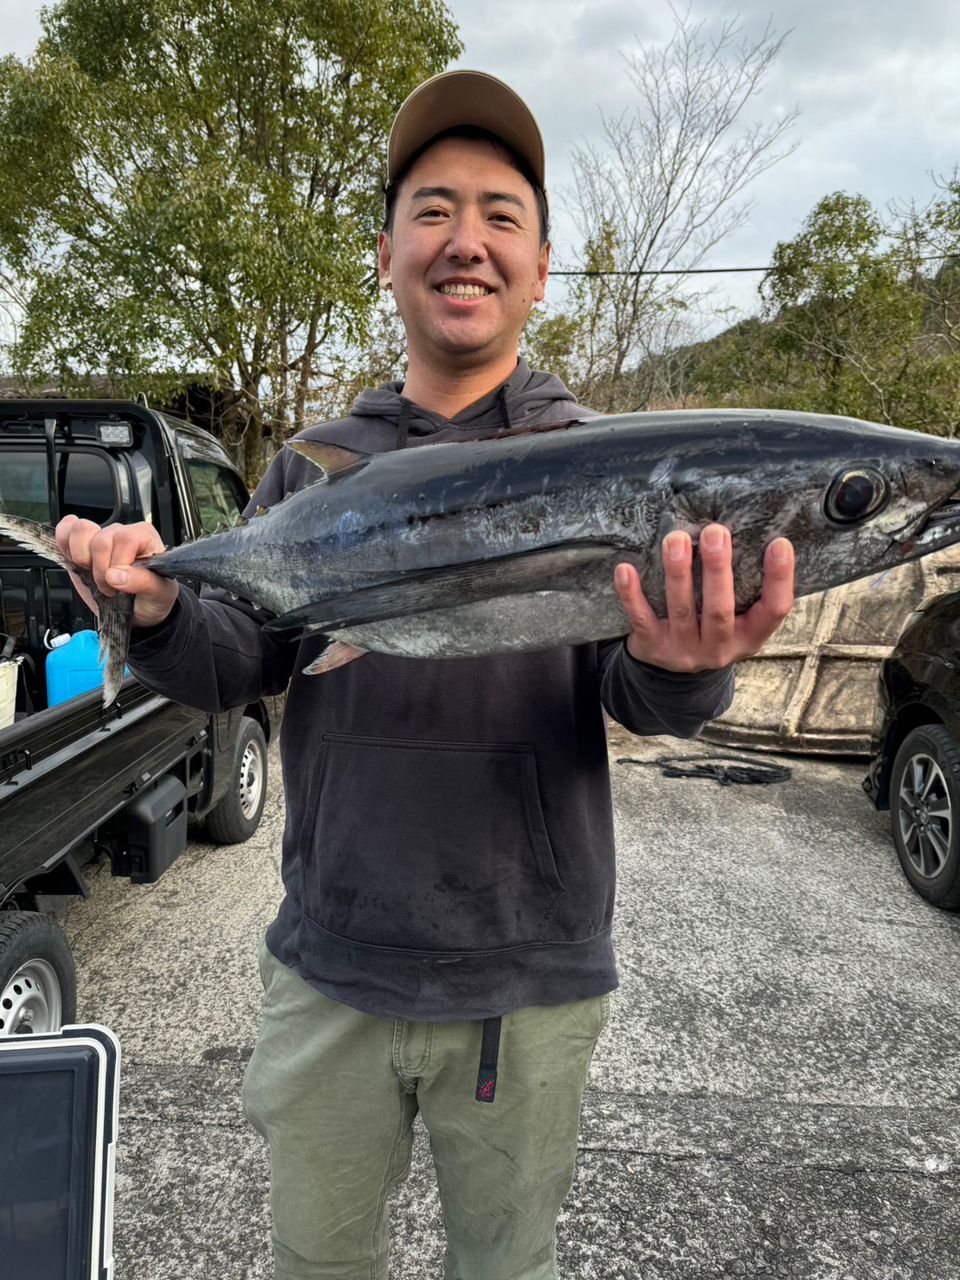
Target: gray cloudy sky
x=877 y=83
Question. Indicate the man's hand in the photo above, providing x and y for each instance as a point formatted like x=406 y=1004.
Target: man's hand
x=110 y=554
x=718 y=637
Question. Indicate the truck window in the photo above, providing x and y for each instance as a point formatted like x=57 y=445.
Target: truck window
x=86 y=484
x=220 y=498
x=23 y=486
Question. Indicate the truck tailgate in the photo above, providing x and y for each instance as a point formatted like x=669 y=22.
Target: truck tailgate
x=110 y=758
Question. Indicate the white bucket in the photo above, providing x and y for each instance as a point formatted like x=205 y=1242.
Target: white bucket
x=8 y=692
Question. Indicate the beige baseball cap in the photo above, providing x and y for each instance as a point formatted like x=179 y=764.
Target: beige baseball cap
x=464 y=98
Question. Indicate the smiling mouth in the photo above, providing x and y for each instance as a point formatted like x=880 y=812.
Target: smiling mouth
x=464 y=290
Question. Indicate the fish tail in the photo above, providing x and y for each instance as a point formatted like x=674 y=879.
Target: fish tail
x=116 y=623
x=38 y=538
x=115 y=620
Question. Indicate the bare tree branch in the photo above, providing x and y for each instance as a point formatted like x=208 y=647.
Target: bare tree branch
x=663 y=189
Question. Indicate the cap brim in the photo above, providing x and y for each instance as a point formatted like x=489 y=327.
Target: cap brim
x=470 y=98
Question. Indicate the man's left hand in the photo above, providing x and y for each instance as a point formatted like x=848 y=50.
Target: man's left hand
x=717 y=637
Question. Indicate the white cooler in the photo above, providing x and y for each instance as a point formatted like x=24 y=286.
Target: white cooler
x=8 y=692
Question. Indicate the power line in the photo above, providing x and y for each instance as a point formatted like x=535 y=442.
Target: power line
x=720 y=271
x=667 y=271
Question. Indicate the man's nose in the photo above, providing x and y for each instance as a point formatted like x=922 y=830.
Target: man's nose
x=466 y=241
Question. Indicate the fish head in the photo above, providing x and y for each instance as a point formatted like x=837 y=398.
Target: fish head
x=876 y=513
x=854 y=498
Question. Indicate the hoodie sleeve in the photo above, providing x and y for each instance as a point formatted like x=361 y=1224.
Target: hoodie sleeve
x=650 y=700
x=212 y=653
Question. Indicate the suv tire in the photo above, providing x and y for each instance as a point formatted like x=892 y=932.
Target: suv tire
x=925 y=813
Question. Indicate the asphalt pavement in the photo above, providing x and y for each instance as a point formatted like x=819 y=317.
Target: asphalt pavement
x=777 y=1093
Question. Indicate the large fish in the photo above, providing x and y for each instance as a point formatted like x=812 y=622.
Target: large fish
x=509 y=542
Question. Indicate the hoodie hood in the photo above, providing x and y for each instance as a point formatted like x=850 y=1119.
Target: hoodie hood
x=526 y=397
x=382 y=420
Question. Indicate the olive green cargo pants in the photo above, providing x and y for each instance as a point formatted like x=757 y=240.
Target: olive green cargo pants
x=335 y=1093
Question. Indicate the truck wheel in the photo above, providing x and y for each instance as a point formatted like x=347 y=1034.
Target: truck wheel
x=38 y=981
x=238 y=814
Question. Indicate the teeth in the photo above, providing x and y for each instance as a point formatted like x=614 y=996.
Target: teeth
x=465 y=290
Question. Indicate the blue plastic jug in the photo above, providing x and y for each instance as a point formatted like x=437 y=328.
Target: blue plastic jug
x=74 y=668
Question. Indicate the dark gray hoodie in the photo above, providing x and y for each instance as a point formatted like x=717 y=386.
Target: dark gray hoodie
x=448 y=851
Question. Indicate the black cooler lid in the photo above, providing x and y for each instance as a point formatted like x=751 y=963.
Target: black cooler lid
x=58 y=1126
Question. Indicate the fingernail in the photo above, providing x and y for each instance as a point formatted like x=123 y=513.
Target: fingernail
x=713 y=538
x=674 y=542
x=779 y=552
x=117 y=577
x=622 y=575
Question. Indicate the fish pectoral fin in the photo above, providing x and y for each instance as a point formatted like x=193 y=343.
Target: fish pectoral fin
x=332 y=459
x=337 y=654
x=412 y=593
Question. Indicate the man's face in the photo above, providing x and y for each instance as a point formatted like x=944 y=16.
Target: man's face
x=464 y=255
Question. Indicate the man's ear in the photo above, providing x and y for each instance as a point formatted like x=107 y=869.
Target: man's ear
x=543 y=271
x=385 y=257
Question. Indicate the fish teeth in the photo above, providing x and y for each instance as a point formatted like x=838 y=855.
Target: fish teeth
x=465 y=290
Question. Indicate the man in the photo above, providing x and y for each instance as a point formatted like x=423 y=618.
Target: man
x=444 y=943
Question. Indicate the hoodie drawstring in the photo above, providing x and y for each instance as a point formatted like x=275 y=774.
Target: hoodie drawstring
x=502 y=406
x=403 y=426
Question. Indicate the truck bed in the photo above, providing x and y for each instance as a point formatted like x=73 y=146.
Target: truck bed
x=111 y=756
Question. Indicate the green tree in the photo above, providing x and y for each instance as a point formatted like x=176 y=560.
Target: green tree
x=846 y=308
x=194 y=185
x=859 y=318
x=381 y=356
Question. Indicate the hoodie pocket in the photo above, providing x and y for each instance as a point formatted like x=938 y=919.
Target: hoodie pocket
x=434 y=846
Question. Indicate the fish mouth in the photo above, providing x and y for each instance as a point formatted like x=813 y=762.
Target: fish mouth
x=936 y=528
x=948 y=513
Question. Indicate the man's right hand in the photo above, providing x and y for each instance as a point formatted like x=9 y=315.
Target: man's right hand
x=110 y=554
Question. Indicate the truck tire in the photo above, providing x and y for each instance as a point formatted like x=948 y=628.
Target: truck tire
x=236 y=817
x=38 y=981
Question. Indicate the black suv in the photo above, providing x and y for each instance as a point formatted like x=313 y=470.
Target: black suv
x=915 y=772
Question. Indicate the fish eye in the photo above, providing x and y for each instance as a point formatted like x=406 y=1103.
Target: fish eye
x=854 y=495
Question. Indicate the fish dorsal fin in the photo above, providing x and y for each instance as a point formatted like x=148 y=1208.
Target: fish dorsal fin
x=332 y=459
